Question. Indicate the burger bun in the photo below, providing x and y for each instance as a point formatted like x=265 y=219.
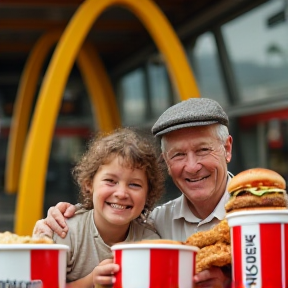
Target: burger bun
x=256 y=177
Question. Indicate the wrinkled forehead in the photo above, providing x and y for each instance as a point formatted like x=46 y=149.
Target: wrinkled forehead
x=205 y=134
x=207 y=129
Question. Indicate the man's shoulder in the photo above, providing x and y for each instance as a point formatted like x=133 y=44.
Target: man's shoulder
x=166 y=208
x=170 y=203
x=163 y=217
x=143 y=230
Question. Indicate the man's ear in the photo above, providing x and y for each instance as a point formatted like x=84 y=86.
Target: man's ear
x=228 y=148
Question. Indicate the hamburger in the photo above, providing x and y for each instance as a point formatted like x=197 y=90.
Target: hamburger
x=257 y=188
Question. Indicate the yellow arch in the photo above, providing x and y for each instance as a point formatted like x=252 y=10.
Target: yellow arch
x=97 y=83
x=22 y=108
x=99 y=88
x=41 y=132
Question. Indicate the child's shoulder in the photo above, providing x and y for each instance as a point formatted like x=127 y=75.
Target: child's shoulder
x=79 y=229
x=80 y=218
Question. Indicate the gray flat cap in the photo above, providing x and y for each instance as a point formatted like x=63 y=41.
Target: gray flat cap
x=189 y=113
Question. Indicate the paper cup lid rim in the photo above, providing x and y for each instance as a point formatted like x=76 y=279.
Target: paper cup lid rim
x=154 y=246
x=31 y=246
x=256 y=212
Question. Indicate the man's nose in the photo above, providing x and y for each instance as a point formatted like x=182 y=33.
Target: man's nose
x=192 y=164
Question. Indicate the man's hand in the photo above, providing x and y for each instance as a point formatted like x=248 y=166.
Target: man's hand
x=103 y=274
x=41 y=229
x=56 y=217
x=55 y=220
x=212 y=278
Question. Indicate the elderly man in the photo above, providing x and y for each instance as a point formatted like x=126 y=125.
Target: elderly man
x=196 y=147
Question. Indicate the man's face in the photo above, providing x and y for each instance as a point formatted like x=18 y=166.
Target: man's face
x=197 y=162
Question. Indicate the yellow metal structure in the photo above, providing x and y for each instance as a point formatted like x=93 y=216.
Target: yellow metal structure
x=22 y=108
x=97 y=83
x=30 y=199
x=99 y=88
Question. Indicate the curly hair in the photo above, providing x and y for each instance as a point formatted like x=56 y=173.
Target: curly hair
x=136 y=152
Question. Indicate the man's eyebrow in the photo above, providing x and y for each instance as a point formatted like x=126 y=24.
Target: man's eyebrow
x=171 y=151
x=195 y=145
x=202 y=143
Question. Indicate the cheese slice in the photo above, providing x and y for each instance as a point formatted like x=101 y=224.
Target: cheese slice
x=258 y=191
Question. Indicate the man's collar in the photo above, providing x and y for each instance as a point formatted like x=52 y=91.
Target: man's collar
x=182 y=210
x=220 y=212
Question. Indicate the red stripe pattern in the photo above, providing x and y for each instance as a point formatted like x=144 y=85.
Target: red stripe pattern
x=270 y=242
x=44 y=266
x=118 y=276
x=236 y=254
x=160 y=263
x=260 y=260
x=159 y=268
x=28 y=262
x=285 y=252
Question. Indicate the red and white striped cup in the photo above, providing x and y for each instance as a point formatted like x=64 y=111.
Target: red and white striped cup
x=259 y=248
x=152 y=265
x=27 y=262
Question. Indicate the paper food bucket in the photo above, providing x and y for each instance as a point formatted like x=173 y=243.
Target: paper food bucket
x=259 y=248
x=154 y=265
x=27 y=262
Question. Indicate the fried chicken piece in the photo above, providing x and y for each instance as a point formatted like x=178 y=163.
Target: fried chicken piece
x=41 y=240
x=11 y=238
x=214 y=246
x=220 y=232
x=218 y=254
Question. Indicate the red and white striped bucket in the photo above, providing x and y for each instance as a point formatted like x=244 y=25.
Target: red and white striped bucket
x=259 y=247
x=26 y=262
x=154 y=265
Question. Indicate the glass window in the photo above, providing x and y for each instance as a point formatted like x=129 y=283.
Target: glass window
x=265 y=144
x=252 y=146
x=132 y=87
x=159 y=88
x=259 y=52
x=277 y=138
x=204 y=60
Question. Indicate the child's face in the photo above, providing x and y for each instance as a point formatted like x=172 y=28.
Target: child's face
x=119 y=193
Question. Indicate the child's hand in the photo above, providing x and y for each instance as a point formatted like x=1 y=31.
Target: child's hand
x=103 y=274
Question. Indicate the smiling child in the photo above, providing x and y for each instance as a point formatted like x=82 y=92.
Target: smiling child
x=120 y=181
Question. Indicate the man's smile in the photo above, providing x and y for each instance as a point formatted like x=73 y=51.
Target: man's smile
x=196 y=180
